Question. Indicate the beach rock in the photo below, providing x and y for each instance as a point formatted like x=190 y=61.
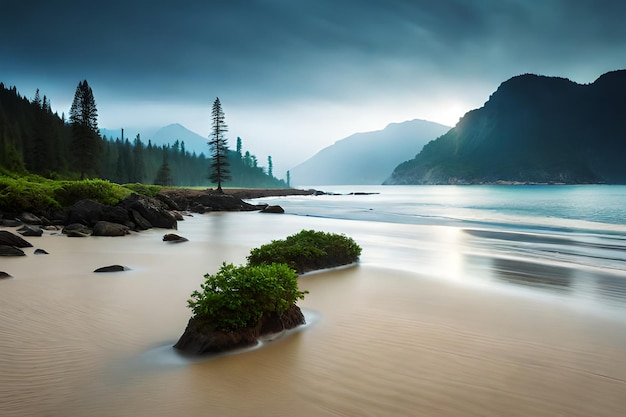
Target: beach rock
x=140 y=222
x=10 y=239
x=273 y=209
x=173 y=238
x=30 y=218
x=76 y=230
x=6 y=250
x=168 y=201
x=40 y=252
x=151 y=209
x=117 y=214
x=199 y=336
x=5 y=275
x=85 y=212
x=11 y=222
x=104 y=228
x=223 y=202
x=177 y=215
x=30 y=230
x=111 y=268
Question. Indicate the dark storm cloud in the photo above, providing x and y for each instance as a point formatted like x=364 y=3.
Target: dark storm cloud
x=322 y=48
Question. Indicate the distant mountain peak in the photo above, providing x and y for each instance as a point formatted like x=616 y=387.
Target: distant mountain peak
x=366 y=157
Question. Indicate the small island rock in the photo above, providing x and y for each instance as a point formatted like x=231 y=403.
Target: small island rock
x=174 y=238
x=273 y=209
x=197 y=339
x=111 y=268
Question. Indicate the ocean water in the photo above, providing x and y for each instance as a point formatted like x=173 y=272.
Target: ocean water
x=561 y=240
x=466 y=301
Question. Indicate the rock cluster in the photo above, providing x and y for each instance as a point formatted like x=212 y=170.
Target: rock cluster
x=199 y=338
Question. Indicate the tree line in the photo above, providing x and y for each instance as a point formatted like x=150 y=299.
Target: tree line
x=33 y=139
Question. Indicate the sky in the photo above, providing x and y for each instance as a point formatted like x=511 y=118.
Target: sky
x=294 y=76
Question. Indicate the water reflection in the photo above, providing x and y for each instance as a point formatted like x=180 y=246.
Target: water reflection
x=529 y=274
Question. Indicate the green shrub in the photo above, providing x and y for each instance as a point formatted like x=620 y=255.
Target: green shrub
x=237 y=296
x=98 y=190
x=18 y=194
x=308 y=250
x=144 y=189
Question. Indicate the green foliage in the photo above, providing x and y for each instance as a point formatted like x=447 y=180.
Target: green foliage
x=237 y=296
x=18 y=194
x=37 y=194
x=101 y=191
x=144 y=189
x=308 y=250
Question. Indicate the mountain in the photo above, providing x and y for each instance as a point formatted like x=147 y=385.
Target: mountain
x=171 y=133
x=532 y=129
x=166 y=135
x=366 y=158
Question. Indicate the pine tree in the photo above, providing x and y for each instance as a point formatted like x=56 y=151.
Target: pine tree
x=139 y=169
x=164 y=175
x=218 y=144
x=239 y=147
x=85 y=139
x=270 y=167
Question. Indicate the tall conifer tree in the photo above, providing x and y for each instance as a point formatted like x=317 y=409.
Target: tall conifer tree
x=85 y=136
x=218 y=143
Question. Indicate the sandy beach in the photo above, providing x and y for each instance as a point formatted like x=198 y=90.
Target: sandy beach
x=381 y=341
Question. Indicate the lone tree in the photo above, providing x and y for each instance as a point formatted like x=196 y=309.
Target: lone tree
x=218 y=143
x=85 y=136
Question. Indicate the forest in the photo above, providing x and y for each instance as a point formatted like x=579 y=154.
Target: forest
x=34 y=139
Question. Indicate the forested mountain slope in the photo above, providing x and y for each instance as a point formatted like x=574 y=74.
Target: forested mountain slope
x=532 y=129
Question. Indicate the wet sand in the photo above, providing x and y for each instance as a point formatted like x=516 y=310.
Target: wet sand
x=381 y=341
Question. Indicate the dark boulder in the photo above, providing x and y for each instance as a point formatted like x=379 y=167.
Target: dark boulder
x=117 y=214
x=30 y=218
x=86 y=212
x=111 y=268
x=11 y=222
x=140 y=222
x=168 y=201
x=223 y=202
x=5 y=275
x=104 y=228
x=173 y=238
x=6 y=250
x=201 y=337
x=151 y=209
x=30 y=230
x=273 y=209
x=10 y=239
x=76 y=230
x=40 y=252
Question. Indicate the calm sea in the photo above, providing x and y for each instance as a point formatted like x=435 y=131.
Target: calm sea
x=561 y=240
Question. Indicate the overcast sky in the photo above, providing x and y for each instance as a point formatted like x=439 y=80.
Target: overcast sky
x=294 y=76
